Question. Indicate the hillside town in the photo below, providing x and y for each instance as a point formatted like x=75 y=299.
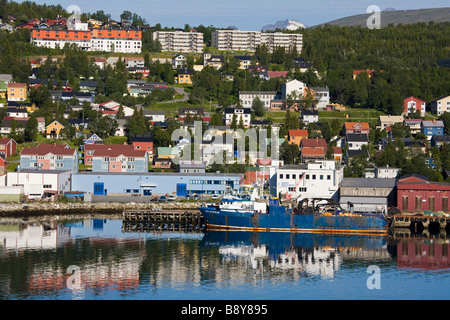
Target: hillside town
x=97 y=123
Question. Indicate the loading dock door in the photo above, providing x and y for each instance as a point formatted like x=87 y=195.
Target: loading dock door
x=99 y=188
x=181 y=189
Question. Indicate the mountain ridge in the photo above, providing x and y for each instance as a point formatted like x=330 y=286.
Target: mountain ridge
x=389 y=16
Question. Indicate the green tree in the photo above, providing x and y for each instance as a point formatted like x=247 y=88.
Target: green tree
x=258 y=107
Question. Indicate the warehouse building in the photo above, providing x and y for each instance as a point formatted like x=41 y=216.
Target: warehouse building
x=156 y=183
x=367 y=195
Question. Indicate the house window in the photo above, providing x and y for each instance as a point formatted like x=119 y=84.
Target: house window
x=47 y=186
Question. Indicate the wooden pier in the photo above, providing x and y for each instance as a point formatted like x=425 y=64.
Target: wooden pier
x=149 y=220
x=420 y=221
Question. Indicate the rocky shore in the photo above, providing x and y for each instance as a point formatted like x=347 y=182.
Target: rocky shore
x=57 y=208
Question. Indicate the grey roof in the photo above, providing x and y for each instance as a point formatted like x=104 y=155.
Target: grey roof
x=6 y=77
x=430 y=123
x=354 y=153
x=368 y=183
x=208 y=174
x=362 y=200
x=361 y=137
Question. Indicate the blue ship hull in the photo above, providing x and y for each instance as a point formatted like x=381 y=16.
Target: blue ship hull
x=281 y=220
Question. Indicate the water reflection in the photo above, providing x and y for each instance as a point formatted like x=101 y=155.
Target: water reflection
x=114 y=262
x=306 y=254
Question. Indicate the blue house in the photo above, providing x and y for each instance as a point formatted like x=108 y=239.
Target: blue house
x=49 y=157
x=433 y=127
x=152 y=183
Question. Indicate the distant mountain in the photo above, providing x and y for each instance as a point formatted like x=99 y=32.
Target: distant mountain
x=284 y=25
x=390 y=15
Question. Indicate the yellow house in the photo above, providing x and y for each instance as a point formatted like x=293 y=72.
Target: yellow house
x=17 y=91
x=53 y=130
x=184 y=76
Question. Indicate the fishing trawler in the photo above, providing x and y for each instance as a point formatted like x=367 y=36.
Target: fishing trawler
x=256 y=214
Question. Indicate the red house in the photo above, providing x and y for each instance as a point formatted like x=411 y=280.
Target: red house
x=413 y=104
x=415 y=193
x=143 y=142
x=2 y=165
x=8 y=147
x=90 y=148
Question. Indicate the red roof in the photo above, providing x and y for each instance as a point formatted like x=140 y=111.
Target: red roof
x=337 y=150
x=277 y=74
x=119 y=152
x=412 y=98
x=352 y=125
x=313 y=152
x=44 y=149
x=108 y=146
x=298 y=133
x=17 y=85
x=314 y=143
x=5 y=140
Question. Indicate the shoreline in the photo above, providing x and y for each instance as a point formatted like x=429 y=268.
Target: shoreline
x=36 y=209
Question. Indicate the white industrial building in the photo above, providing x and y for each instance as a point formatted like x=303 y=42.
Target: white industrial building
x=38 y=184
x=319 y=179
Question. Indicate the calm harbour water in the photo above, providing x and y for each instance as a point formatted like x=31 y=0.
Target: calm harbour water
x=104 y=259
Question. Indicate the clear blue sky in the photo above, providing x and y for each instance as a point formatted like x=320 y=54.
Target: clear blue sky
x=244 y=14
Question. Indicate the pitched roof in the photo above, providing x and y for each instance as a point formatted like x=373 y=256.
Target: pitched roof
x=360 y=137
x=109 y=146
x=314 y=143
x=313 y=152
x=119 y=152
x=17 y=85
x=351 y=125
x=44 y=149
x=433 y=123
x=298 y=133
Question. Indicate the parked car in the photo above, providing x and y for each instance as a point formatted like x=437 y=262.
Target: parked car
x=194 y=197
x=172 y=197
x=162 y=198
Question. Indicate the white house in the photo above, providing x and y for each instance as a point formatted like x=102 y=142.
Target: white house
x=322 y=96
x=247 y=97
x=179 y=61
x=39 y=184
x=355 y=141
x=310 y=116
x=319 y=179
x=155 y=115
x=292 y=86
x=241 y=113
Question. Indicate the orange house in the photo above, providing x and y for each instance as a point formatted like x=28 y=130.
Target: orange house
x=356 y=127
x=17 y=91
x=53 y=130
x=296 y=136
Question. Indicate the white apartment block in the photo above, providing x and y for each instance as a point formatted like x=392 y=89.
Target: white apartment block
x=237 y=40
x=319 y=179
x=279 y=39
x=179 y=41
x=247 y=97
x=110 y=40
